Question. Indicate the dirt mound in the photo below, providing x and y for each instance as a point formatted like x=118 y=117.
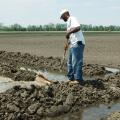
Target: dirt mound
x=59 y=98
x=113 y=79
x=33 y=61
x=12 y=71
x=93 y=69
x=17 y=60
x=38 y=102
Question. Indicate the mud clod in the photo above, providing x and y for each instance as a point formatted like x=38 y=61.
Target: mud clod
x=35 y=102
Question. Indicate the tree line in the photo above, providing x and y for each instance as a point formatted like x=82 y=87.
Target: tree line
x=56 y=27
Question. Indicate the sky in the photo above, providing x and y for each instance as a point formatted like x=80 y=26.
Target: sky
x=40 y=12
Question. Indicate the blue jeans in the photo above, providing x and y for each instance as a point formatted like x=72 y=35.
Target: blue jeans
x=75 y=62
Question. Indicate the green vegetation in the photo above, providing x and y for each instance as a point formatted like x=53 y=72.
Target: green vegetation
x=56 y=27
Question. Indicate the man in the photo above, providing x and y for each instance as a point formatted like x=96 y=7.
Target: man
x=76 y=42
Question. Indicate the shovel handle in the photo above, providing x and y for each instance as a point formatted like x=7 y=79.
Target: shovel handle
x=62 y=63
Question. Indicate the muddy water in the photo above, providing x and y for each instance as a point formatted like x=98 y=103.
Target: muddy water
x=113 y=70
x=62 y=77
x=48 y=75
x=54 y=75
x=7 y=83
x=91 y=113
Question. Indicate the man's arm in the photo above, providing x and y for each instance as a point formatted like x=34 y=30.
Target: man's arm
x=72 y=30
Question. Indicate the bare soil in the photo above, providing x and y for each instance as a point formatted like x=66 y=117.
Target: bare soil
x=101 y=48
x=35 y=102
x=44 y=51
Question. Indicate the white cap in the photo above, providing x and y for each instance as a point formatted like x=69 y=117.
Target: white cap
x=62 y=12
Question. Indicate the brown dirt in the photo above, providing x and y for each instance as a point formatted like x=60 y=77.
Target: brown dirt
x=37 y=102
x=102 y=49
x=10 y=63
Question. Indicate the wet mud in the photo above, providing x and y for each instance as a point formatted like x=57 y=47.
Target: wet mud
x=113 y=116
x=35 y=102
x=14 y=60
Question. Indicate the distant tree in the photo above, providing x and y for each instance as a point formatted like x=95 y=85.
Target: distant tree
x=60 y=27
x=32 y=28
x=111 y=28
x=56 y=27
x=40 y=27
x=16 y=27
x=101 y=28
x=51 y=27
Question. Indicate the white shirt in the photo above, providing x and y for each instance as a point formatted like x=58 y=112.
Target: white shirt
x=77 y=36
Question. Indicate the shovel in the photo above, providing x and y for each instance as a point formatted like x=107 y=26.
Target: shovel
x=63 y=60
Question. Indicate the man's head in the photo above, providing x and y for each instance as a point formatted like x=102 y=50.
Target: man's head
x=64 y=14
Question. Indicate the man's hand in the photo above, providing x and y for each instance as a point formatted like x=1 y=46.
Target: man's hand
x=72 y=30
x=68 y=35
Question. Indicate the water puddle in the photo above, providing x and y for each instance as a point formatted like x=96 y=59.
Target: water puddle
x=112 y=70
x=62 y=77
x=53 y=75
x=99 y=112
x=92 y=113
x=7 y=83
x=48 y=75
